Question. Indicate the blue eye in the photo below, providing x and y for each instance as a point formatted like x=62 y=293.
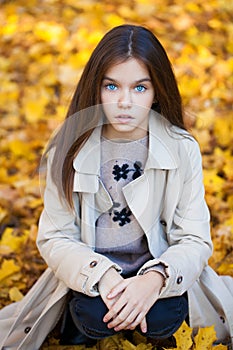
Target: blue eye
x=140 y=88
x=111 y=87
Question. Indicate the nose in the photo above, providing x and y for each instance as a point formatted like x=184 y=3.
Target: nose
x=125 y=100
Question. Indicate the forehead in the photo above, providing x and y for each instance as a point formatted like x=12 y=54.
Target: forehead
x=129 y=69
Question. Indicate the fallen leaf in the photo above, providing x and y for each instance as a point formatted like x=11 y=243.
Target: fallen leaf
x=205 y=338
x=15 y=294
x=8 y=267
x=183 y=337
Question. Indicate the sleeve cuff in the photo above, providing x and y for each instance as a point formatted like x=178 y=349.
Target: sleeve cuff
x=158 y=268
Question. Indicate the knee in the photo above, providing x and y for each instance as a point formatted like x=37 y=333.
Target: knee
x=87 y=310
x=87 y=314
x=166 y=316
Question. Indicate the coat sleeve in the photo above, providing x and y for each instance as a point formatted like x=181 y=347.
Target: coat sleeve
x=59 y=243
x=186 y=226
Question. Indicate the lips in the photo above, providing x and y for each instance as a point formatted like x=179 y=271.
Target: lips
x=124 y=119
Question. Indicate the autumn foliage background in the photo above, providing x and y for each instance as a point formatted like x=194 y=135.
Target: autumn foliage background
x=44 y=45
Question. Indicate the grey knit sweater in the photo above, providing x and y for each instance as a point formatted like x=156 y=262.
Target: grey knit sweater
x=118 y=234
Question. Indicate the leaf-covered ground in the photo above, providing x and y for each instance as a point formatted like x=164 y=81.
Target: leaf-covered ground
x=44 y=46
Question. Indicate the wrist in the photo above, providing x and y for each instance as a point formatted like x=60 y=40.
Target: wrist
x=108 y=281
x=157 y=277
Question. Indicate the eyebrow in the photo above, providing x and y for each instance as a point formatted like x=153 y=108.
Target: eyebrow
x=135 y=82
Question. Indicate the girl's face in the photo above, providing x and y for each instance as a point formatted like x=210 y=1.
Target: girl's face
x=127 y=95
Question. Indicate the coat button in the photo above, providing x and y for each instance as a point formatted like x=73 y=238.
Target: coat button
x=179 y=280
x=27 y=330
x=93 y=263
x=163 y=222
x=222 y=319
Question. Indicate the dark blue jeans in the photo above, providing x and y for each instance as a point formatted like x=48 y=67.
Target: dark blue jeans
x=84 y=318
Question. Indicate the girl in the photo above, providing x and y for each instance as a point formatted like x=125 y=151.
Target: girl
x=125 y=227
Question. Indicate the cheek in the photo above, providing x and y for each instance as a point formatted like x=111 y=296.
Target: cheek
x=101 y=97
x=146 y=101
x=150 y=99
x=149 y=102
x=107 y=97
x=107 y=108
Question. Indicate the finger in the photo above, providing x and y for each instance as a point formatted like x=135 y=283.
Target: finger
x=123 y=320
x=119 y=288
x=109 y=303
x=143 y=325
x=140 y=319
x=114 y=310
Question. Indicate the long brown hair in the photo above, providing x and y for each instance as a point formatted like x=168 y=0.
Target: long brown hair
x=119 y=44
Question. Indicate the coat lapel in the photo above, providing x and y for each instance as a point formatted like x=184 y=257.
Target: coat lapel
x=162 y=153
x=144 y=196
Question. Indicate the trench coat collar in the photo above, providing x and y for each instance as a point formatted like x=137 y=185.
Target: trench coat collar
x=163 y=151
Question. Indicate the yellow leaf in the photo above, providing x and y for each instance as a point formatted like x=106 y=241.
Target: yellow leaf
x=19 y=148
x=138 y=338
x=3 y=213
x=220 y=347
x=8 y=268
x=144 y=347
x=15 y=294
x=114 y=20
x=215 y=23
x=51 y=32
x=183 y=337
x=225 y=268
x=205 y=58
x=35 y=202
x=94 y=37
x=229 y=222
x=223 y=130
x=111 y=343
x=11 y=241
x=205 y=338
x=128 y=346
x=34 y=110
x=192 y=7
x=213 y=183
x=9 y=91
x=78 y=60
x=190 y=86
x=11 y=27
x=228 y=167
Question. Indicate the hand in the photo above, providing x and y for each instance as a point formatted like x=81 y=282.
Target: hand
x=136 y=295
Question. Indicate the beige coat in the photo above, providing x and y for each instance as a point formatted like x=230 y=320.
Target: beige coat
x=168 y=202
